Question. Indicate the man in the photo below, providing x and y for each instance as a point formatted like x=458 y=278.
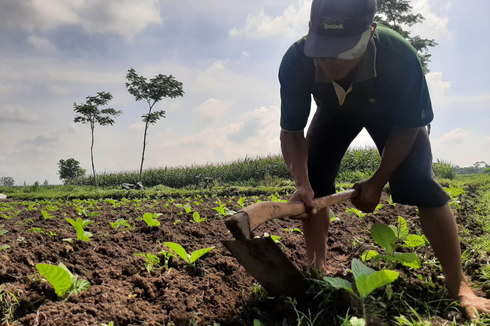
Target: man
x=364 y=76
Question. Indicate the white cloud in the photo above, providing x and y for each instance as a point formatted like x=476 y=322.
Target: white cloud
x=123 y=17
x=41 y=44
x=434 y=26
x=16 y=113
x=292 y=23
x=455 y=135
x=436 y=84
x=137 y=126
x=214 y=108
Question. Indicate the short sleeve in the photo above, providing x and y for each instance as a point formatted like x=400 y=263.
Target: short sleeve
x=409 y=100
x=295 y=79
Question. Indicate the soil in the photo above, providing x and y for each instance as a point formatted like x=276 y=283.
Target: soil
x=216 y=291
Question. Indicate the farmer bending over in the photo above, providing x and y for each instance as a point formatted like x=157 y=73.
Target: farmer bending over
x=364 y=76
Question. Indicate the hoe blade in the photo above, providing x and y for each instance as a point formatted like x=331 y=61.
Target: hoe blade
x=266 y=262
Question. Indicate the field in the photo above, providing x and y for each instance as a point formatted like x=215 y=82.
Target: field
x=215 y=289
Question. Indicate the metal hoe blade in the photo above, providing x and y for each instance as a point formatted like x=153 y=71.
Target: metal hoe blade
x=266 y=262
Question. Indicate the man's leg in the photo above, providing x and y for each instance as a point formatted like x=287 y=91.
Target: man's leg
x=439 y=225
x=315 y=231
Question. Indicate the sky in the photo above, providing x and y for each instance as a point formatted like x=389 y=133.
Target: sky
x=55 y=53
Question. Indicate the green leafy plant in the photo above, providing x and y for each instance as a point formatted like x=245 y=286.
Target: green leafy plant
x=356 y=211
x=224 y=211
x=276 y=238
x=151 y=219
x=388 y=237
x=79 y=224
x=4 y=247
x=366 y=279
x=241 y=202
x=292 y=230
x=62 y=280
x=166 y=257
x=46 y=215
x=454 y=193
x=151 y=260
x=188 y=258
x=2 y=232
x=120 y=224
x=111 y=323
x=196 y=218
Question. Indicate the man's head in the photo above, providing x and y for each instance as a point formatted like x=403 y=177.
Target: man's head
x=340 y=29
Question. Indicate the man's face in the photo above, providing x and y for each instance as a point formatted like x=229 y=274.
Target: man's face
x=337 y=69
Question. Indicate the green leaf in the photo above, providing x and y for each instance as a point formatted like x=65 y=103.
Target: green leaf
x=358 y=269
x=389 y=291
x=408 y=259
x=150 y=221
x=198 y=254
x=258 y=323
x=58 y=277
x=414 y=240
x=354 y=321
x=4 y=247
x=403 y=228
x=369 y=254
x=395 y=229
x=367 y=284
x=383 y=236
x=178 y=249
x=339 y=283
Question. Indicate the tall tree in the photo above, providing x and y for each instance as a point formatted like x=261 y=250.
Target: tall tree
x=69 y=169
x=90 y=113
x=152 y=91
x=7 y=181
x=397 y=14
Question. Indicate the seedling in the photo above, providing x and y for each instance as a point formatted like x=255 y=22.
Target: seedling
x=241 y=202
x=4 y=247
x=355 y=211
x=366 y=279
x=151 y=219
x=46 y=215
x=224 y=211
x=387 y=237
x=166 y=257
x=196 y=218
x=292 y=230
x=79 y=224
x=36 y=230
x=188 y=209
x=63 y=281
x=150 y=261
x=276 y=238
x=2 y=232
x=120 y=224
x=111 y=323
x=333 y=218
x=190 y=259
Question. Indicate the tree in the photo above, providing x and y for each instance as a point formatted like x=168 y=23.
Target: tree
x=159 y=87
x=7 y=181
x=89 y=113
x=70 y=169
x=398 y=13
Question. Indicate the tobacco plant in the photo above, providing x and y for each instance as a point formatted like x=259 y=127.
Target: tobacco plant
x=79 y=224
x=188 y=258
x=120 y=224
x=63 y=281
x=46 y=215
x=151 y=219
x=388 y=237
x=196 y=218
x=366 y=279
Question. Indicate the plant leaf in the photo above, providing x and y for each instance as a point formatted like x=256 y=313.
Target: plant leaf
x=58 y=277
x=178 y=249
x=369 y=254
x=383 y=236
x=414 y=240
x=339 y=283
x=408 y=259
x=79 y=286
x=366 y=284
x=358 y=269
x=403 y=228
x=198 y=254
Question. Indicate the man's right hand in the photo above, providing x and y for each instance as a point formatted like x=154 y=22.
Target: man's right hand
x=306 y=195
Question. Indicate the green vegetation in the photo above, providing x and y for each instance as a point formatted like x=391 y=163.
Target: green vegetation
x=79 y=224
x=188 y=258
x=62 y=280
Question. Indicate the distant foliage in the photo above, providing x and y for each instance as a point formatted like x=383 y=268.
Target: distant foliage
x=358 y=164
x=69 y=169
x=477 y=167
x=444 y=169
x=7 y=181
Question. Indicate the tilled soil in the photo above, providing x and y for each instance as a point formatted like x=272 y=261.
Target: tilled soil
x=216 y=291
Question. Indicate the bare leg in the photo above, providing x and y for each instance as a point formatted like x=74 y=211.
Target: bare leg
x=439 y=225
x=316 y=232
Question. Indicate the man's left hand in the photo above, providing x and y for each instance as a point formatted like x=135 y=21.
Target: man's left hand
x=369 y=195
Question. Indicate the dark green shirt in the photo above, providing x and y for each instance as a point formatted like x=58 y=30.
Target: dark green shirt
x=389 y=79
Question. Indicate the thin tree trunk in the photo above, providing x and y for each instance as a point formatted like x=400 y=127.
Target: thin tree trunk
x=143 y=153
x=92 y=153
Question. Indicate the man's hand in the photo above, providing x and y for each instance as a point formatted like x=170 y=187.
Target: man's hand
x=306 y=195
x=369 y=195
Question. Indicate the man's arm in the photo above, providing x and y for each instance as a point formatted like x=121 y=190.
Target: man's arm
x=397 y=147
x=295 y=152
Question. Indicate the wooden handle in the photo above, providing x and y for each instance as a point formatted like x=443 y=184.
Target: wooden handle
x=265 y=211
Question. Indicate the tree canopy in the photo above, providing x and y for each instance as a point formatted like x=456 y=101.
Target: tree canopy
x=69 y=169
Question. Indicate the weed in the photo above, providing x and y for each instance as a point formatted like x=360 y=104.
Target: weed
x=7 y=302
x=150 y=261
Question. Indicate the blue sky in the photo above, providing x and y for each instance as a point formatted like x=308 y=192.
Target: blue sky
x=55 y=53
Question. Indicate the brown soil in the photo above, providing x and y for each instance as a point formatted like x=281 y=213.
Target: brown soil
x=215 y=291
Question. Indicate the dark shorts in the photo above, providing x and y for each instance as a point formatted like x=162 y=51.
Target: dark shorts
x=329 y=136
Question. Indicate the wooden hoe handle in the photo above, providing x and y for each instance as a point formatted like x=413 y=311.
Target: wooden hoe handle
x=246 y=220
